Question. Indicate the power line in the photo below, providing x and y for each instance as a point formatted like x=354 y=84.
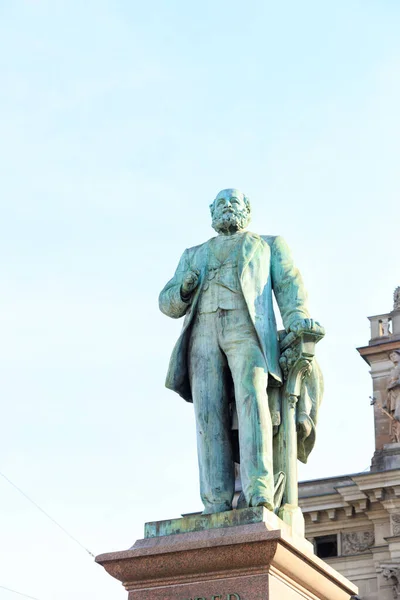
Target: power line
x=3 y=587
x=48 y=516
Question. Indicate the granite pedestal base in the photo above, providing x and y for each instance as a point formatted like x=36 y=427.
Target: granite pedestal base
x=247 y=554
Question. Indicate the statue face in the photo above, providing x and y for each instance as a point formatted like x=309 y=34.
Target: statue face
x=230 y=212
x=394 y=357
x=227 y=199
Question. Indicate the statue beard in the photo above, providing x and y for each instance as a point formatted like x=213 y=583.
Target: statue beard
x=230 y=221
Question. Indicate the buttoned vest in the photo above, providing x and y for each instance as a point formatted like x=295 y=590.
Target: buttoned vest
x=221 y=288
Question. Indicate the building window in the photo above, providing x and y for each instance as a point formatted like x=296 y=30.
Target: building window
x=326 y=546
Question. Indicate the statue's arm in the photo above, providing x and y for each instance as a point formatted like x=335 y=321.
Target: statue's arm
x=170 y=300
x=393 y=383
x=287 y=284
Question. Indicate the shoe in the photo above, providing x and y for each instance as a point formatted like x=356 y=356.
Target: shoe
x=263 y=502
x=211 y=510
x=241 y=503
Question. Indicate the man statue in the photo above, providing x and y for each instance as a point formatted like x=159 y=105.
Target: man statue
x=228 y=351
x=393 y=401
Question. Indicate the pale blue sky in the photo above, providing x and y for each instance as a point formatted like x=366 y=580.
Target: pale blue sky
x=119 y=122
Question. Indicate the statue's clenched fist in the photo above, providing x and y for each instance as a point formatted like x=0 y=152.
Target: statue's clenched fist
x=306 y=325
x=190 y=282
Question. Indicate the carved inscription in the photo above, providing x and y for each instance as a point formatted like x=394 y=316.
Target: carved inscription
x=356 y=542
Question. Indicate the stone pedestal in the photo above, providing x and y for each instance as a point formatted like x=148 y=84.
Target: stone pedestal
x=387 y=458
x=246 y=554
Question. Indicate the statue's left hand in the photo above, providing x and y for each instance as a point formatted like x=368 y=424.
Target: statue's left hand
x=304 y=325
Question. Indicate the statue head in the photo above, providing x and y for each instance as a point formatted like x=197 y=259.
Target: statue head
x=394 y=356
x=396 y=299
x=230 y=211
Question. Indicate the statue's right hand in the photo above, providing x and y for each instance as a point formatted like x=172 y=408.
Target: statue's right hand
x=190 y=282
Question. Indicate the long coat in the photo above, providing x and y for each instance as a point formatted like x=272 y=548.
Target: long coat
x=265 y=265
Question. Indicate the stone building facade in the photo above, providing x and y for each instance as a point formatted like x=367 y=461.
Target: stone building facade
x=354 y=520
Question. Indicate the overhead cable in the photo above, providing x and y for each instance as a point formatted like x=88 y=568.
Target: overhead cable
x=3 y=587
x=47 y=515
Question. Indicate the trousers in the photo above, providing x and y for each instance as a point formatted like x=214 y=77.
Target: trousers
x=224 y=349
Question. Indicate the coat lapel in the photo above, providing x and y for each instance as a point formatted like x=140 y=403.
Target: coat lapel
x=251 y=243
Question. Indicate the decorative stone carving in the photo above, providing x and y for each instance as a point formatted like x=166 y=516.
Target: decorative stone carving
x=394 y=431
x=384 y=327
x=396 y=524
x=393 y=572
x=393 y=388
x=356 y=542
x=396 y=299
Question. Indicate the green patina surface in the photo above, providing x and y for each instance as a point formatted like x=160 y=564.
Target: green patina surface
x=256 y=396
x=199 y=522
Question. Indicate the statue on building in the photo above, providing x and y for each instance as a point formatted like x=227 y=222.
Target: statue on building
x=230 y=362
x=396 y=299
x=384 y=327
x=393 y=397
